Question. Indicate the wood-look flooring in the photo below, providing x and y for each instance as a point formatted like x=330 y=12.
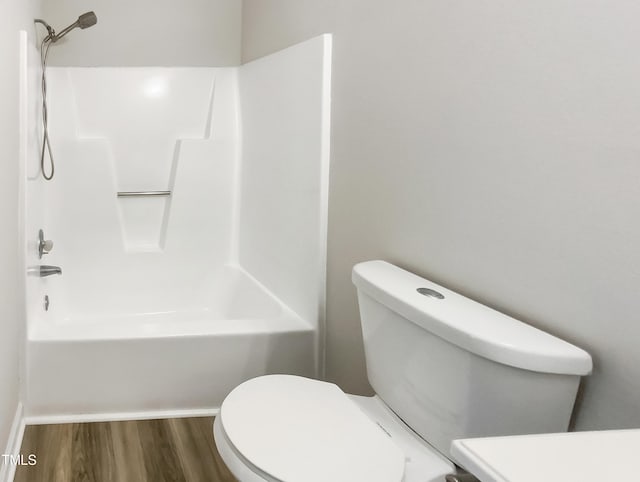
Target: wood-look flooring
x=171 y=450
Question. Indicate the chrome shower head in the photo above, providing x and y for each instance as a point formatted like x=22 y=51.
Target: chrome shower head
x=85 y=20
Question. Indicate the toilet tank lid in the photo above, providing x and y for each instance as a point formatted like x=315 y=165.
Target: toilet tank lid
x=469 y=324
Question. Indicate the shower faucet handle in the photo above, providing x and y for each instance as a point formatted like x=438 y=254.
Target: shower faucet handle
x=44 y=245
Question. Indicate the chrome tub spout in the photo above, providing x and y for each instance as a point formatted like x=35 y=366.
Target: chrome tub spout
x=44 y=270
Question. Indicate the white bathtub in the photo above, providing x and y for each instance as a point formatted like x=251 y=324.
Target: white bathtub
x=169 y=363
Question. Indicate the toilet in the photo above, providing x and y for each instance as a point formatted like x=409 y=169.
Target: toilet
x=443 y=367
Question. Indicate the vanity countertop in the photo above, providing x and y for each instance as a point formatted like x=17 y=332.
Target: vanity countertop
x=599 y=456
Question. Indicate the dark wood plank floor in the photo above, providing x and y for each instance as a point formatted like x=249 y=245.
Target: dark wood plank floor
x=171 y=450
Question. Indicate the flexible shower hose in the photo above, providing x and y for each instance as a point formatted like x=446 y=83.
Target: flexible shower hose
x=46 y=145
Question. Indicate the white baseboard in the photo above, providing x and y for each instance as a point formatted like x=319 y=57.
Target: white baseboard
x=8 y=470
x=118 y=416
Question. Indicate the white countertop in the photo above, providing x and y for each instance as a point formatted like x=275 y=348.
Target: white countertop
x=603 y=456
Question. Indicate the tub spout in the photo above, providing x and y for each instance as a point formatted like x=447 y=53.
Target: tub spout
x=44 y=270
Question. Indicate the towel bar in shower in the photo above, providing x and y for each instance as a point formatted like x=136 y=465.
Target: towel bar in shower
x=143 y=193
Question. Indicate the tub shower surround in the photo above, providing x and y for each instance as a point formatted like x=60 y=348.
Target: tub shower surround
x=188 y=215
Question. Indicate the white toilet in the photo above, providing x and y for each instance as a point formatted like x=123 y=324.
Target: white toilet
x=443 y=367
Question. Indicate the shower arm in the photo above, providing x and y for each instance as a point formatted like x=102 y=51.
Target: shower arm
x=65 y=31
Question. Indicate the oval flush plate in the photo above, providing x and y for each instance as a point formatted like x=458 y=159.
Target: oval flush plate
x=430 y=293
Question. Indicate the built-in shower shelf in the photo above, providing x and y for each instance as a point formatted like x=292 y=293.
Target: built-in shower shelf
x=143 y=217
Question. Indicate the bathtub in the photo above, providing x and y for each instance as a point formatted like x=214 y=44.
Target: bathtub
x=172 y=363
x=168 y=301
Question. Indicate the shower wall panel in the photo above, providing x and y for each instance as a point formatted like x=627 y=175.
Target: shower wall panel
x=137 y=130
x=32 y=185
x=285 y=109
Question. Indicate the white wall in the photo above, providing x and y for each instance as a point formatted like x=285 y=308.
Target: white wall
x=492 y=147
x=148 y=33
x=15 y=15
x=285 y=101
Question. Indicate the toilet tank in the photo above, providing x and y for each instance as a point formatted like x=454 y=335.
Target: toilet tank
x=452 y=368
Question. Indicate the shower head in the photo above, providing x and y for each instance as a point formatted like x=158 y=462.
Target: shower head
x=85 y=20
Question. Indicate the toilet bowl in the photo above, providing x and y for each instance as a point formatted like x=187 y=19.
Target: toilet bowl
x=443 y=367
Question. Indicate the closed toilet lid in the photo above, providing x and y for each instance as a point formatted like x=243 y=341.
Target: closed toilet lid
x=300 y=430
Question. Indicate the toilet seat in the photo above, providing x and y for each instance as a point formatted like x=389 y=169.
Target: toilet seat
x=295 y=429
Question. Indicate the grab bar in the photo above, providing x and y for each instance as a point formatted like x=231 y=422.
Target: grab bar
x=464 y=477
x=143 y=193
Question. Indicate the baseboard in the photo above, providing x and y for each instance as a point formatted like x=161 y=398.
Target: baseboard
x=8 y=470
x=118 y=416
